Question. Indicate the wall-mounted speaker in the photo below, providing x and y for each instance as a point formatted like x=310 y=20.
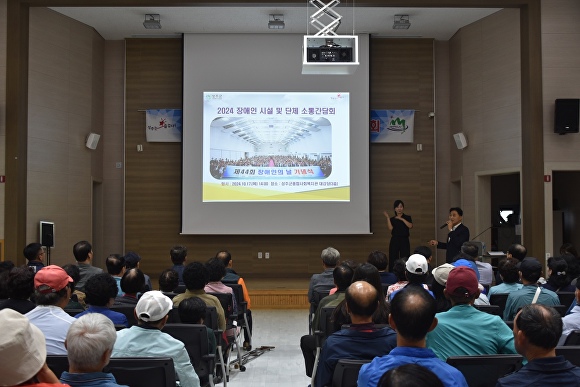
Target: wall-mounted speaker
x=567 y=116
x=93 y=140
x=47 y=234
x=460 y=140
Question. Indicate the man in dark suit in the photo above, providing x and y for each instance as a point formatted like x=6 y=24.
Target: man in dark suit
x=458 y=234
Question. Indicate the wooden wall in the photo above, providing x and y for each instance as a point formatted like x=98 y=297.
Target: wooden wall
x=401 y=78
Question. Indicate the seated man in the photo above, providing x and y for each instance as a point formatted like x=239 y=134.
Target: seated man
x=530 y=272
x=116 y=268
x=168 y=282
x=133 y=261
x=52 y=291
x=416 y=272
x=132 y=283
x=324 y=282
x=34 y=253
x=485 y=270
x=362 y=340
x=100 y=292
x=89 y=344
x=20 y=288
x=509 y=273
x=379 y=260
x=537 y=329
x=178 y=256
x=23 y=353
x=196 y=277
x=412 y=316
x=83 y=252
x=571 y=322
x=342 y=279
x=464 y=330
x=146 y=338
x=235 y=278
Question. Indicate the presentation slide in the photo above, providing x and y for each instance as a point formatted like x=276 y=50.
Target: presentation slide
x=275 y=147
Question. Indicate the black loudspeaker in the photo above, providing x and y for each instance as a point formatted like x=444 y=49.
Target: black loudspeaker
x=47 y=234
x=567 y=116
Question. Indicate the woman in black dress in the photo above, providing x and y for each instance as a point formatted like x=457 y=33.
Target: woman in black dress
x=399 y=225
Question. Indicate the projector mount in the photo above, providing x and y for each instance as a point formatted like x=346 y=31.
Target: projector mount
x=326 y=20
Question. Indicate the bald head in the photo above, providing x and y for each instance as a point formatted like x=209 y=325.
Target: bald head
x=362 y=299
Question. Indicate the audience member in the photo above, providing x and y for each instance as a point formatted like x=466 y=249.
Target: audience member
x=20 y=288
x=458 y=234
x=428 y=254
x=324 y=282
x=568 y=248
x=530 y=293
x=440 y=275
x=379 y=260
x=412 y=317
x=484 y=269
x=23 y=353
x=168 y=282
x=571 y=322
x=362 y=339
x=461 y=262
x=464 y=330
x=52 y=293
x=77 y=298
x=342 y=278
x=216 y=271
x=196 y=277
x=537 y=329
x=133 y=261
x=558 y=278
x=416 y=271
x=116 y=268
x=132 y=283
x=399 y=271
x=235 y=278
x=516 y=251
x=89 y=344
x=83 y=253
x=178 y=256
x=101 y=290
x=409 y=375
x=573 y=266
x=192 y=311
x=509 y=273
x=146 y=338
x=34 y=253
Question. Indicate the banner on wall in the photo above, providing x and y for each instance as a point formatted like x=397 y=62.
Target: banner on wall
x=163 y=125
x=392 y=126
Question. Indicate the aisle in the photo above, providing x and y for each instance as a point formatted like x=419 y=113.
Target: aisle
x=282 y=366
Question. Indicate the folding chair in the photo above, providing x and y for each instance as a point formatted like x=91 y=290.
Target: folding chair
x=242 y=317
x=346 y=372
x=485 y=370
x=573 y=338
x=316 y=297
x=128 y=311
x=491 y=309
x=499 y=299
x=143 y=371
x=326 y=329
x=194 y=337
x=570 y=353
x=566 y=298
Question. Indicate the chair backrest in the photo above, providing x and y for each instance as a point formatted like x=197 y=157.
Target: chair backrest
x=57 y=364
x=73 y=311
x=136 y=372
x=566 y=298
x=128 y=311
x=346 y=372
x=173 y=316
x=179 y=289
x=571 y=353
x=485 y=370
x=326 y=326
x=143 y=371
x=211 y=318
x=499 y=299
x=491 y=309
x=194 y=337
x=573 y=338
x=562 y=309
x=318 y=295
x=227 y=301
x=239 y=294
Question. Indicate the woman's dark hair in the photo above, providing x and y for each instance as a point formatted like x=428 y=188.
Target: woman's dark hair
x=508 y=269
x=73 y=272
x=100 y=288
x=21 y=283
x=397 y=202
x=559 y=277
x=399 y=269
x=216 y=269
x=409 y=375
x=192 y=310
x=168 y=280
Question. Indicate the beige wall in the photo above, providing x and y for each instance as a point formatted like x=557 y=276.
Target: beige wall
x=2 y=111
x=65 y=104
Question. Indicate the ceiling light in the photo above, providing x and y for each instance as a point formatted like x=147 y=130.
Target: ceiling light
x=276 y=22
x=401 y=22
x=152 y=22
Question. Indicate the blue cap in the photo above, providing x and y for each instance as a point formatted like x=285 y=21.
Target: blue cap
x=470 y=264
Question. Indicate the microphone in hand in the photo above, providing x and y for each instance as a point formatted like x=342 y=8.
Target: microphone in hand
x=442 y=227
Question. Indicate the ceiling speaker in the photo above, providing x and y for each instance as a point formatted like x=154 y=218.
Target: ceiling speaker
x=93 y=141
x=460 y=140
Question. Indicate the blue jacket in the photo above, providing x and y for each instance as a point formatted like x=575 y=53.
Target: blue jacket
x=544 y=372
x=116 y=317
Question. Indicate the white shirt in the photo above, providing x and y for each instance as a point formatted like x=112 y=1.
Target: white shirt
x=54 y=323
x=571 y=323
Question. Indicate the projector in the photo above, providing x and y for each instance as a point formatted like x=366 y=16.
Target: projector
x=330 y=54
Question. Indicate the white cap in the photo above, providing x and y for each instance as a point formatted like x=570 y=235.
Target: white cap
x=417 y=264
x=153 y=306
x=22 y=348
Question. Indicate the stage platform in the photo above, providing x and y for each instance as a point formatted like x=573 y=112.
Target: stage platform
x=278 y=293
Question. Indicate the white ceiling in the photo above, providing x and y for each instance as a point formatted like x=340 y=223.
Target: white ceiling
x=116 y=23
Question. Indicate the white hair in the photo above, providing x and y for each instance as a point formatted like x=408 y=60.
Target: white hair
x=330 y=256
x=88 y=338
